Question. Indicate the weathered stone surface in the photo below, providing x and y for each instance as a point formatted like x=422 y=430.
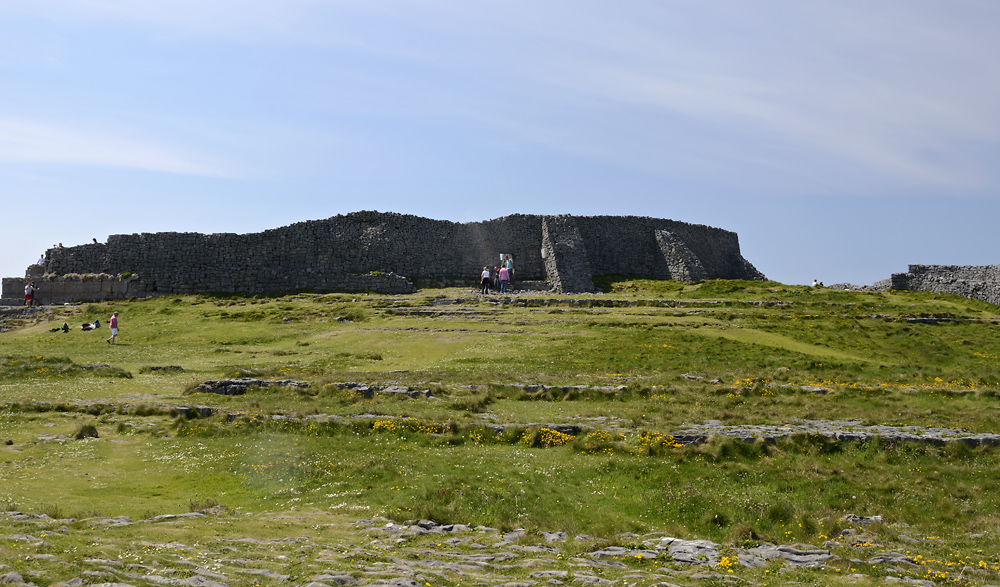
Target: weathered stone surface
x=396 y=582
x=694 y=552
x=797 y=557
x=386 y=252
x=620 y=553
x=242 y=385
x=892 y=558
x=843 y=430
x=549 y=575
x=369 y=390
x=12 y=578
x=862 y=520
x=980 y=282
x=682 y=264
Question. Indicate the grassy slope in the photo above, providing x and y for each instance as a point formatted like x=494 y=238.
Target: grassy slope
x=441 y=464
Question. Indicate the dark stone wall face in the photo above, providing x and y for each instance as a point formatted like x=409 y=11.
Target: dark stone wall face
x=319 y=254
x=978 y=282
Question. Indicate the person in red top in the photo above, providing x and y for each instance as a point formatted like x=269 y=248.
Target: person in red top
x=113 y=325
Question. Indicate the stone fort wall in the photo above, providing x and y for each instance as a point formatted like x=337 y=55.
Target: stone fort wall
x=979 y=282
x=382 y=251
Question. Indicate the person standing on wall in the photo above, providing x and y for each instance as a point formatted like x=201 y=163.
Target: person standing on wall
x=113 y=326
x=484 y=280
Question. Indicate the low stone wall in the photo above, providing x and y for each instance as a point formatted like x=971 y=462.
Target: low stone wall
x=979 y=282
x=51 y=289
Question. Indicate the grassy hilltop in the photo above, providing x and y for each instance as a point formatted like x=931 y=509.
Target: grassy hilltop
x=99 y=432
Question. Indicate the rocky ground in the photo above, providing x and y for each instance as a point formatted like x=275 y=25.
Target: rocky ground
x=380 y=552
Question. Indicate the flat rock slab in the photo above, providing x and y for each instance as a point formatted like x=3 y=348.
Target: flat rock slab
x=796 y=557
x=694 y=552
x=621 y=553
x=842 y=430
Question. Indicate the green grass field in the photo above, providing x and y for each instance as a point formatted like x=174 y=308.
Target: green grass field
x=287 y=462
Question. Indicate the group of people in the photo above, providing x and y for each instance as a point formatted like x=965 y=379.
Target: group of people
x=500 y=276
x=86 y=326
x=112 y=326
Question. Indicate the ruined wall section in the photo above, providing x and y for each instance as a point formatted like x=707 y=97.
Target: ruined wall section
x=682 y=264
x=565 y=255
x=628 y=244
x=978 y=282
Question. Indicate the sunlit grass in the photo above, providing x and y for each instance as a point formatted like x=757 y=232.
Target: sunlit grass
x=611 y=364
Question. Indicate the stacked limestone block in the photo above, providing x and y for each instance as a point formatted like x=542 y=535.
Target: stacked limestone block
x=980 y=282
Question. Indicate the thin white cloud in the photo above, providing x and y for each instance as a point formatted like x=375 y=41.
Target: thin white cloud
x=40 y=142
x=884 y=89
x=876 y=91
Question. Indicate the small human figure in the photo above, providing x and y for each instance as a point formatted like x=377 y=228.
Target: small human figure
x=90 y=326
x=60 y=245
x=815 y=283
x=504 y=278
x=821 y=283
x=41 y=259
x=113 y=325
x=29 y=294
x=484 y=280
x=95 y=241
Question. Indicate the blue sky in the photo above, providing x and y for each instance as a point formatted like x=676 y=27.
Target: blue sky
x=842 y=140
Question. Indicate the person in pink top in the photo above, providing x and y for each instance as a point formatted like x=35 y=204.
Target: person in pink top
x=504 y=278
x=113 y=325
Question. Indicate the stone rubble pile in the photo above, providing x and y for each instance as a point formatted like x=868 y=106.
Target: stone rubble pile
x=368 y=390
x=241 y=385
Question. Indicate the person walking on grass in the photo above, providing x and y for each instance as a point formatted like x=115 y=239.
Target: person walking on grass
x=113 y=325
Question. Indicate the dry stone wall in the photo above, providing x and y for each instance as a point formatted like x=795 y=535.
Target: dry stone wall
x=386 y=251
x=565 y=255
x=979 y=282
x=53 y=289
